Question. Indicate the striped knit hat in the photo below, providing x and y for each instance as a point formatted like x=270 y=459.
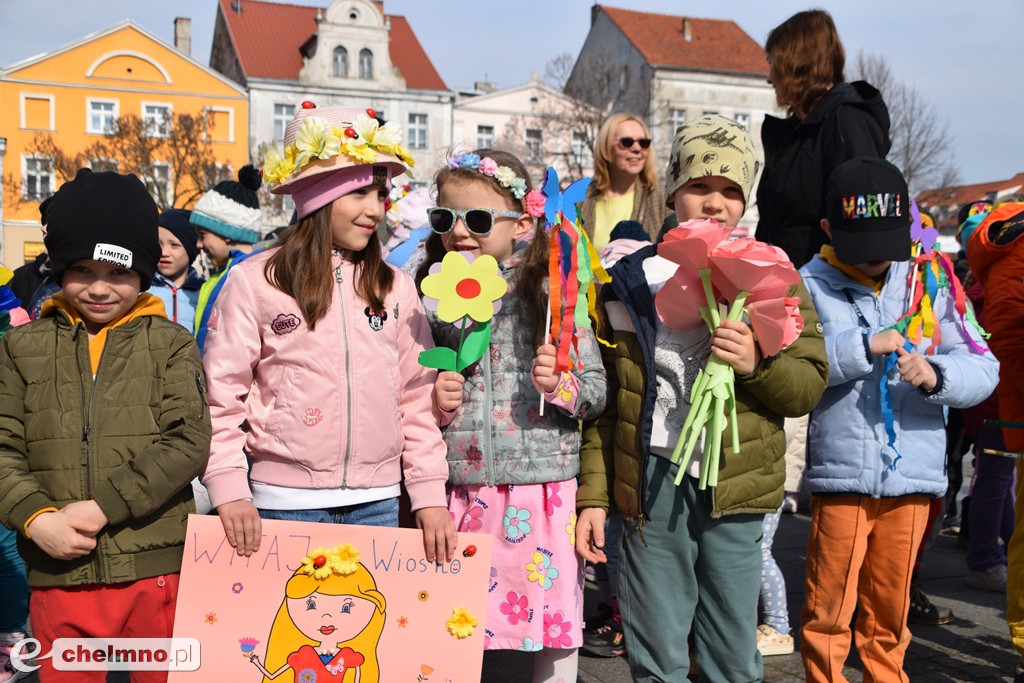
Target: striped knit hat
x=232 y=209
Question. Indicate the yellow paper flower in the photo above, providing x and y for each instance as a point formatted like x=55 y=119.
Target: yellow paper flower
x=317 y=564
x=462 y=288
x=344 y=559
x=461 y=623
x=360 y=152
x=315 y=141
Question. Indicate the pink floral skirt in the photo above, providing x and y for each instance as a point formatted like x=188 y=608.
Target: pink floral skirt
x=535 y=595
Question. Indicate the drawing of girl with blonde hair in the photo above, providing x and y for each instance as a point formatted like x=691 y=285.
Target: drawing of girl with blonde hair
x=329 y=622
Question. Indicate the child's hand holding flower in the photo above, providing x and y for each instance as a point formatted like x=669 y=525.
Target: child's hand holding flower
x=448 y=390
x=733 y=342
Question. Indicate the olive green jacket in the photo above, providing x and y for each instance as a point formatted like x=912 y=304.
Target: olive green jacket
x=131 y=439
x=616 y=446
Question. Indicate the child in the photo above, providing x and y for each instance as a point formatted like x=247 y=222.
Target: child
x=996 y=254
x=690 y=556
x=513 y=470
x=876 y=442
x=228 y=221
x=176 y=281
x=104 y=423
x=313 y=345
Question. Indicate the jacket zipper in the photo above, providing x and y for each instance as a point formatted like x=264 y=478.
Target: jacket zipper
x=348 y=385
x=489 y=431
x=87 y=430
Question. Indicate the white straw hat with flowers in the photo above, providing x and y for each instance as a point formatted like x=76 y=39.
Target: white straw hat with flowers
x=330 y=152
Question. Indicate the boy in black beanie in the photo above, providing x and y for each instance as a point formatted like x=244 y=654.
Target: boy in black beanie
x=103 y=424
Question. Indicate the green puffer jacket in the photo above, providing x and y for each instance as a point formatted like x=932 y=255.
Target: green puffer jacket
x=616 y=446
x=131 y=439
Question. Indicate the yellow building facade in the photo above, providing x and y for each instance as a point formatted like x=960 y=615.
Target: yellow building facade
x=76 y=92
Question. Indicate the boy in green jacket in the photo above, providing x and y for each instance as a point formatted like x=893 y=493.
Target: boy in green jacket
x=690 y=556
x=103 y=424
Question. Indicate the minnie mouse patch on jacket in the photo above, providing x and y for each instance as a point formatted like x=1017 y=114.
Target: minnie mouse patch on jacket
x=376 y=319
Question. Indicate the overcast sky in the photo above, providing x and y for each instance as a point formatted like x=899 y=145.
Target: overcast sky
x=963 y=56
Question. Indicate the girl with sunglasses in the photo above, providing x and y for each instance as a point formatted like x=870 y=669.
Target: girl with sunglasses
x=625 y=184
x=512 y=470
x=313 y=349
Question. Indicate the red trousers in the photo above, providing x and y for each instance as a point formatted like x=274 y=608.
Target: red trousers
x=138 y=609
x=860 y=551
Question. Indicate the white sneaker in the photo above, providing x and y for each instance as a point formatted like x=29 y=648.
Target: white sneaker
x=771 y=642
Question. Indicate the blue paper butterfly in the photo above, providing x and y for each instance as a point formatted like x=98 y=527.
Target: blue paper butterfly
x=564 y=202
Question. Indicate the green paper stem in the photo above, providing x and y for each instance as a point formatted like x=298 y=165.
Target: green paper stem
x=709 y=294
x=462 y=339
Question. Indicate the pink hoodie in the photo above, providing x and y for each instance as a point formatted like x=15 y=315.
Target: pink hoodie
x=347 y=404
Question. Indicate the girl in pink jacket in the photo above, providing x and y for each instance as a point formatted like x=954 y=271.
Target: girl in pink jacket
x=320 y=407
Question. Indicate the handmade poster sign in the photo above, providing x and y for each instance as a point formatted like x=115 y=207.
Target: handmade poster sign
x=332 y=603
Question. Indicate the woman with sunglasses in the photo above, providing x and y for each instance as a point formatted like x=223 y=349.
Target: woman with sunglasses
x=512 y=471
x=625 y=185
x=313 y=345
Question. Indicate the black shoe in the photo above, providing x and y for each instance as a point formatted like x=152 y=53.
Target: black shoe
x=924 y=611
x=601 y=616
x=606 y=641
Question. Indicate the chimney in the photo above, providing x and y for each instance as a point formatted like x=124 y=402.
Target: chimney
x=687 y=30
x=183 y=35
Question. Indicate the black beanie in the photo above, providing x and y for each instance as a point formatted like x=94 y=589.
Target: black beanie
x=176 y=220
x=105 y=217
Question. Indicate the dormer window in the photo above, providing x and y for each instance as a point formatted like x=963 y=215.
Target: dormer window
x=365 y=64
x=340 y=62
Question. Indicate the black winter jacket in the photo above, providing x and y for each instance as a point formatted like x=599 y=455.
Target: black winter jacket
x=850 y=120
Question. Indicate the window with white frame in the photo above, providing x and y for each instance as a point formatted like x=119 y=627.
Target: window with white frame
x=676 y=118
x=283 y=114
x=742 y=119
x=102 y=116
x=160 y=183
x=101 y=165
x=365 y=64
x=484 y=136
x=38 y=178
x=580 y=149
x=417 y=131
x=534 y=140
x=340 y=62
x=157 y=120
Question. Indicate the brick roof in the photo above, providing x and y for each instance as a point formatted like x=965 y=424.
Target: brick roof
x=715 y=45
x=952 y=198
x=267 y=37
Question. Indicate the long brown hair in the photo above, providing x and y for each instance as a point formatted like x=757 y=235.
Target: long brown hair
x=807 y=59
x=301 y=268
x=603 y=153
x=532 y=270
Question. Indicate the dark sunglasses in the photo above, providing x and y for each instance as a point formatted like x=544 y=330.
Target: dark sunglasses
x=628 y=142
x=477 y=221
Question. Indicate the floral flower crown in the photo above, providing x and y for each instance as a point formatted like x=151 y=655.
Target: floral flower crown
x=322 y=563
x=506 y=177
x=317 y=141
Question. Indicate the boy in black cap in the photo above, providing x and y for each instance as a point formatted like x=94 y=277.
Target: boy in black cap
x=876 y=440
x=103 y=424
x=176 y=282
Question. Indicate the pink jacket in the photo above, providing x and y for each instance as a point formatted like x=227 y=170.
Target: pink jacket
x=347 y=404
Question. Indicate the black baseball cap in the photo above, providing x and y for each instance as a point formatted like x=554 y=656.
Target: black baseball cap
x=867 y=205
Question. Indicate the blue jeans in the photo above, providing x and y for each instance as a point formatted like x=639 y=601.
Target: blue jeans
x=375 y=513
x=685 y=569
x=13 y=585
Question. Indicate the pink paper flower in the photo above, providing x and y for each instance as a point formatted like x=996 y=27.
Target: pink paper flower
x=746 y=265
x=488 y=166
x=691 y=242
x=776 y=323
x=680 y=299
x=534 y=202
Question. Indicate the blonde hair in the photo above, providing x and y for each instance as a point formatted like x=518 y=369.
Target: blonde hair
x=285 y=638
x=603 y=153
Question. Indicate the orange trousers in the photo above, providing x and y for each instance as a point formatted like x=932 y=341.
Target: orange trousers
x=861 y=551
